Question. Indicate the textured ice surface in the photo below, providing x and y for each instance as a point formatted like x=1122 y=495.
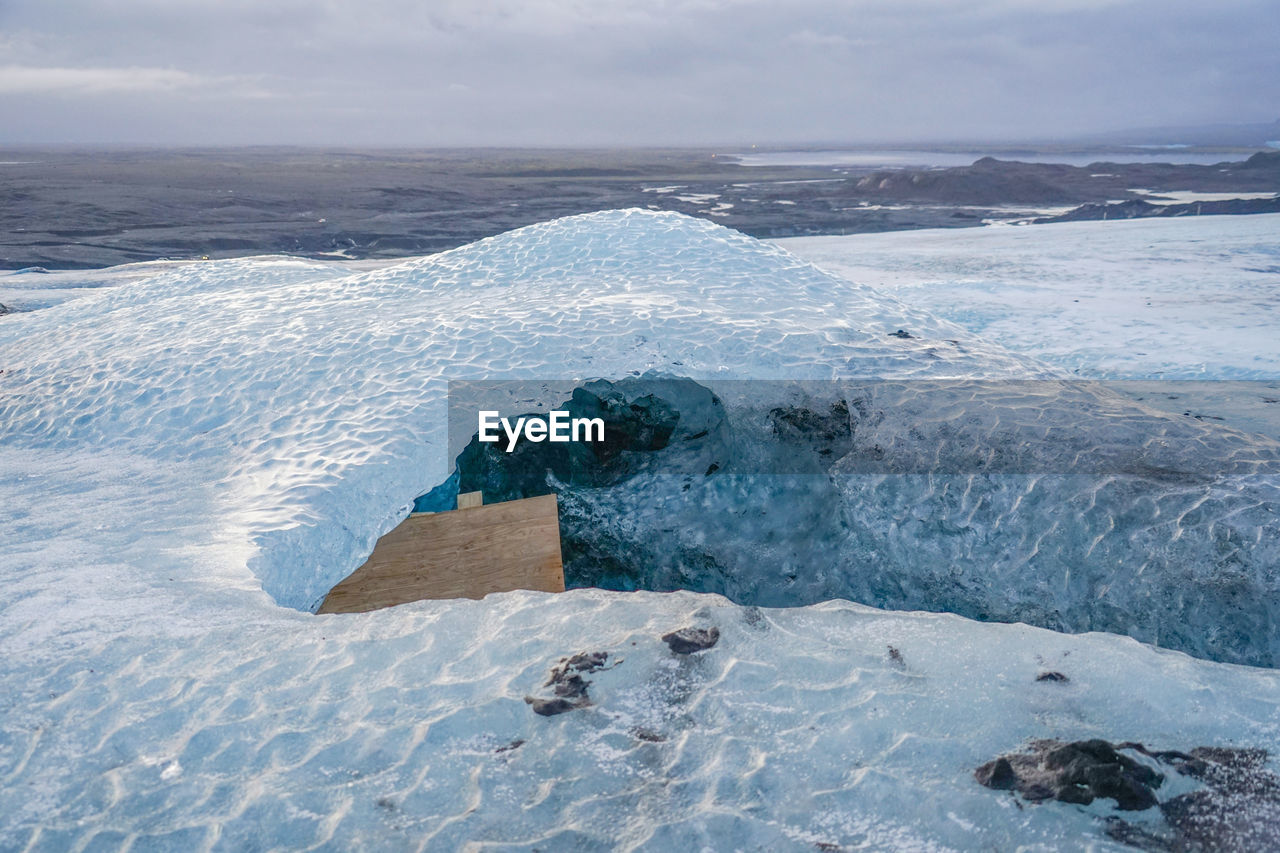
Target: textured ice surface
x=180 y=453
x=301 y=412
x=408 y=729
x=1181 y=299
x=1185 y=298
x=34 y=288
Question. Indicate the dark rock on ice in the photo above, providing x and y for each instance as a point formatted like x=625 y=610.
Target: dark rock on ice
x=1051 y=676
x=997 y=774
x=566 y=677
x=901 y=333
x=568 y=685
x=551 y=707
x=1236 y=809
x=1089 y=769
x=686 y=641
x=1078 y=772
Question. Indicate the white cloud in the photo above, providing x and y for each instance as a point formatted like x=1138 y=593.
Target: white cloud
x=37 y=80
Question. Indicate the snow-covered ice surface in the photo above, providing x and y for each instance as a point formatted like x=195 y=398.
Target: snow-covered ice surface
x=184 y=454
x=33 y=288
x=1185 y=298
x=1146 y=299
x=407 y=729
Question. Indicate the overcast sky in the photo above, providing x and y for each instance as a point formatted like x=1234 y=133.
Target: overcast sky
x=586 y=72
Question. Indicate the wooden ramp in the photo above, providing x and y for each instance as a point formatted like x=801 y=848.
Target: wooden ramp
x=467 y=553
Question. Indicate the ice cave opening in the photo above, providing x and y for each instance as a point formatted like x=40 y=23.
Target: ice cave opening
x=1054 y=503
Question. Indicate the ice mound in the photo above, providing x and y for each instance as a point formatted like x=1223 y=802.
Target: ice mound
x=300 y=413
x=185 y=453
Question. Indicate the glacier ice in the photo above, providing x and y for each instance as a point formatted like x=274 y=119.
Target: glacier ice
x=311 y=408
x=190 y=460
x=1187 y=298
x=1053 y=502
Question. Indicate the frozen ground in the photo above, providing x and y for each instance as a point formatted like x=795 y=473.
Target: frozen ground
x=186 y=453
x=408 y=729
x=1187 y=299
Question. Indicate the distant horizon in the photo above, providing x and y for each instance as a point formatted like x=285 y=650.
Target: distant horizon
x=1083 y=144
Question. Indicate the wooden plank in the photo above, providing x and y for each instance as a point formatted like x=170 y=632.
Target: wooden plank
x=470 y=500
x=467 y=553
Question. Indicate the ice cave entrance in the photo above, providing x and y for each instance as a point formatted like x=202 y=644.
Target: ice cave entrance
x=1057 y=503
x=499 y=523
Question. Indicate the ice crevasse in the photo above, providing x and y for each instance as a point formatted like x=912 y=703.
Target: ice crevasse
x=190 y=461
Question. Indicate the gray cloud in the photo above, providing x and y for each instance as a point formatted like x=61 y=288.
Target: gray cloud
x=626 y=71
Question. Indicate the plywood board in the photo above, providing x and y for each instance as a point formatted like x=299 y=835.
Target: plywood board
x=467 y=553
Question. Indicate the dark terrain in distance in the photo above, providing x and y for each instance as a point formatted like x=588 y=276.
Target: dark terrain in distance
x=80 y=208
